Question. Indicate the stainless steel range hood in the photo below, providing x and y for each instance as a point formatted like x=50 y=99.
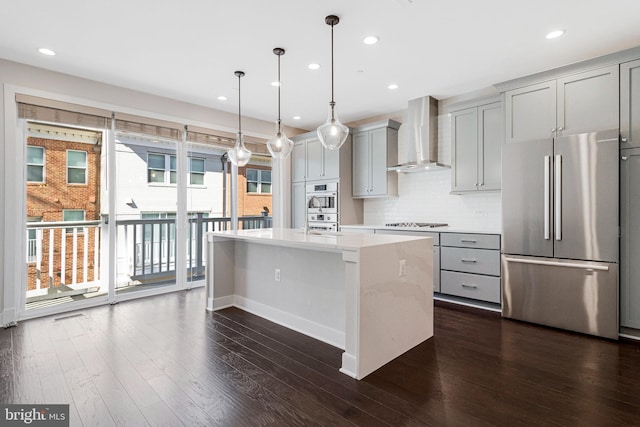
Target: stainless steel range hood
x=422 y=147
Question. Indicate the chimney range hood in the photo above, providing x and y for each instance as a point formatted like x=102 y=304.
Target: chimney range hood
x=422 y=146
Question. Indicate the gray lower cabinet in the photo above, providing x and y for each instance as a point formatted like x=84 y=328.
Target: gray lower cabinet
x=470 y=266
x=630 y=238
x=477 y=135
x=630 y=104
x=578 y=103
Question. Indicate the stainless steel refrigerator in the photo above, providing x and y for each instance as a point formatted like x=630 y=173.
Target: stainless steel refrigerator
x=561 y=231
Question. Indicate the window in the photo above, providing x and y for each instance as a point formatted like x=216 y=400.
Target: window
x=196 y=171
x=73 y=215
x=158 y=165
x=35 y=164
x=76 y=167
x=32 y=240
x=258 y=181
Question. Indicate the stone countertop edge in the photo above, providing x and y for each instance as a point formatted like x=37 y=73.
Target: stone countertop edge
x=446 y=229
x=332 y=242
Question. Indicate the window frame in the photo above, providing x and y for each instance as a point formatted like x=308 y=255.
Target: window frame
x=84 y=218
x=85 y=168
x=191 y=172
x=44 y=169
x=259 y=181
x=169 y=173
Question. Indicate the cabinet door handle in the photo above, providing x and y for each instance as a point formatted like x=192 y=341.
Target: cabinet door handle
x=623 y=139
x=465 y=285
x=468 y=241
x=553 y=130
x=624 y=157
x=560 y=129
x=473 y=261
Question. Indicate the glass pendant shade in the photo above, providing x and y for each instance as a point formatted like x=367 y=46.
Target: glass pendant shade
x=332 y=133
x=279 y=145
x=239 y=155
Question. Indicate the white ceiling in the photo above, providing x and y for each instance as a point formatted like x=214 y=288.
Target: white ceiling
x=189 y=49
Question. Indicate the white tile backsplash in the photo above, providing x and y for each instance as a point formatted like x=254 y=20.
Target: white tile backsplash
x=425 y=196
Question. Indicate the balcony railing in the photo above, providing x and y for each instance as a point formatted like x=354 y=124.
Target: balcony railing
x=62 y=254
x=65 y=255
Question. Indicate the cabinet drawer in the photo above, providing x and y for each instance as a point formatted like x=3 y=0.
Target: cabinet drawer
x=485 y=288
x=479 y=261
x=480 y=241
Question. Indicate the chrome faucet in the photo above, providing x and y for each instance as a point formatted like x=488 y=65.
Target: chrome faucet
x=316 y=203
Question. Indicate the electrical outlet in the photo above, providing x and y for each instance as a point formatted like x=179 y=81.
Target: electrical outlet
x=277 y=277
x=403 y=268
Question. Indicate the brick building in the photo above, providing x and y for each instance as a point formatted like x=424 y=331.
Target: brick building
x=254 y=188
x=63 y=184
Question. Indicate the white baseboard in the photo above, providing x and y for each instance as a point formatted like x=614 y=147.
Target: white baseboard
x=349 y=365
x=315 y=330
x=214 y=304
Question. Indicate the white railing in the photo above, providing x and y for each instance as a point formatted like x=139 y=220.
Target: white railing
x=56 y=245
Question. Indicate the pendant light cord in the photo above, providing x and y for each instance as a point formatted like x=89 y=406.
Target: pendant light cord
x=239 y=100
x=332 y=101
x=279 y=84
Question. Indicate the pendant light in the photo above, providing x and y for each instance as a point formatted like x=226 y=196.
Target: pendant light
x=239 y=155
x=279 y=145
x=332 y=133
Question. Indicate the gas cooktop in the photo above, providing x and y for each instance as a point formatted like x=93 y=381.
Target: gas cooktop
x=416 y=224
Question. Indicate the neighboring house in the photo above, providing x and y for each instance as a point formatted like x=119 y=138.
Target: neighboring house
x=254 y=188
x=63 y=184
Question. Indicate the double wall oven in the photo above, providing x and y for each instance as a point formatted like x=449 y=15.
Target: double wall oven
x=322 y=206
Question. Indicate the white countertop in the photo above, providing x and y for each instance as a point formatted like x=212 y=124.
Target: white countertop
x=447 y=229
x=327 y=241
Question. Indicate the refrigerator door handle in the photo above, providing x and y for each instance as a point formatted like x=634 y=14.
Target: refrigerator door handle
x=559 y=264
x=558 y=197
x=547 y=197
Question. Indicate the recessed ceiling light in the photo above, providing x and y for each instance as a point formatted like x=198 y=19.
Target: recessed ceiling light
x=392 y=86
x=555 y=34
x=45 y=51
x=371 y=40
x=314 y=66
x=222 y=98
x=296 y=117
x=276 y=84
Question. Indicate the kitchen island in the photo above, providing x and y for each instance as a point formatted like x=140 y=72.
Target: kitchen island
x=368 y=294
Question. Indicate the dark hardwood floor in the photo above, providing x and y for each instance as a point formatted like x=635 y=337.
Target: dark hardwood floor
x=166 y=361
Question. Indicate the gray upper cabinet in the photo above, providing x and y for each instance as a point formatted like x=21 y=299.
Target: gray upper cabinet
x=311 y=161
x=375 y=147
x=531 y=112
x=582 y=102
x=630 y=104
x=299 y=161
x=630 y=238
x=477 y=137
